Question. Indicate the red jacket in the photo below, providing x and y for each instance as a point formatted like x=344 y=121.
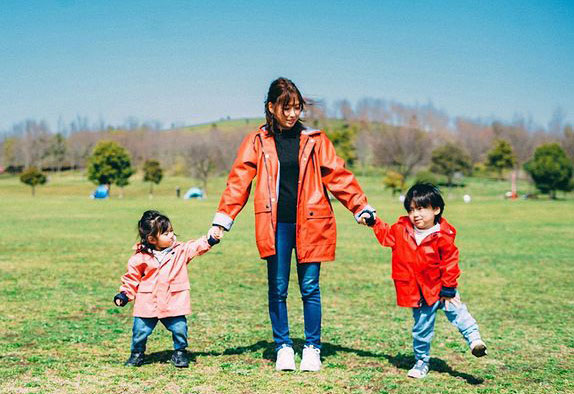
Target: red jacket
x=420 y=269
x=320 y=169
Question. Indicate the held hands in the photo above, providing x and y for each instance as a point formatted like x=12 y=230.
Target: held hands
x=214 y=235
x=367 y=217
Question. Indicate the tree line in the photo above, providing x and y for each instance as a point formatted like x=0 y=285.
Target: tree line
x=417 y=140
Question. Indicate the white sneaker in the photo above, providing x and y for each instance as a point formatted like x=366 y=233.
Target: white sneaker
x=478 y=348
x=285 y=359
x=311 y=360
x=419 y=370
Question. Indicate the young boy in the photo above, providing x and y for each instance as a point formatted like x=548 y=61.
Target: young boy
x=425 y=271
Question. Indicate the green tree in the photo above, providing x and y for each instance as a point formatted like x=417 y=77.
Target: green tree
x=109 y=164
x=450 y=159
x=500 y=157
x=57 y=150
x=343 y=138
x=33 y=177
x=550 y=169
x=394 y=181
x=152 y=174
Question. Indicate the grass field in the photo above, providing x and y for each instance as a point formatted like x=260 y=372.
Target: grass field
x=62 y=255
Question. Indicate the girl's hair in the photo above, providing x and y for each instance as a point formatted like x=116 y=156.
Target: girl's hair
x=152 y=223
x=425 y=195
x=281 y=92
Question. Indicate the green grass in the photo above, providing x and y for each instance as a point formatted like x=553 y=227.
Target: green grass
x=62 y=254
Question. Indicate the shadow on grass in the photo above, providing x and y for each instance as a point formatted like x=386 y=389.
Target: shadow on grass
x=401 y=360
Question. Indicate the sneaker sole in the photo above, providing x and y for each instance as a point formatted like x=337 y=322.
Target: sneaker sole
x=479 y=351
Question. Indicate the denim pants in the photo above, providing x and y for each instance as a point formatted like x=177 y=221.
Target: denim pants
x=143 y=327
x=423 y=328
x=278 y=270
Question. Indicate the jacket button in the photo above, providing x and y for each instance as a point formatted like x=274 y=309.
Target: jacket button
x=267 y=206
x=310 y=213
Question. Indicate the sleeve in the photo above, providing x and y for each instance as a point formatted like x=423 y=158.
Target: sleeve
x=195 y=248
x=339 y=180
x=385 y=233
x=132 y=278
x=238 y=186
x=449 y=258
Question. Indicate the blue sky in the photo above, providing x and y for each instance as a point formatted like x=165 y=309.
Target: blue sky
x=196 y=61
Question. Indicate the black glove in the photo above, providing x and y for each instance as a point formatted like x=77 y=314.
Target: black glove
x=370 y=220
x=212 y=241
x=122 y=297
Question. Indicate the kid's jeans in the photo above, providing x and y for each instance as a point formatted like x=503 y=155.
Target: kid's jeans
x=143 y=327
x=278 y=270
x=423 y=328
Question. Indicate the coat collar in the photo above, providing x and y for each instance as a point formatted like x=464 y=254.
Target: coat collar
x=445 y=227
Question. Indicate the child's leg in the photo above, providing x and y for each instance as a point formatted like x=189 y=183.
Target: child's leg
x=178 y=327
x=142 y=328
x=423 y=330
x=460 y=317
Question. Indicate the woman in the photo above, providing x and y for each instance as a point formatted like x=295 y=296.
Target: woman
x=295 y=166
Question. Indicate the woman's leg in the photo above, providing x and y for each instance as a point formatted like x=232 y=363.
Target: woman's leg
x=308 y=275
x=278 y=270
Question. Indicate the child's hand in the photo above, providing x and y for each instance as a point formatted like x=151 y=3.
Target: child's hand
x=455 y=301
x=368 y=217
x=214 y=235
x=121 y=299
x=215 y=232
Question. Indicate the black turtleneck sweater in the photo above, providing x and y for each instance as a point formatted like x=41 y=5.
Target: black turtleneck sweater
x=287 y=144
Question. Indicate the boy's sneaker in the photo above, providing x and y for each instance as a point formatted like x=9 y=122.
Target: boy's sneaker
x=478 y=348
x=419 y=370
x=285 y=359
x=136 y=360
x=311 y=360
x=179 y=359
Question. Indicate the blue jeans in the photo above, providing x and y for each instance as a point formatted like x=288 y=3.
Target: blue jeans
x=423 y=328
x=143 y=327
x=278 y=270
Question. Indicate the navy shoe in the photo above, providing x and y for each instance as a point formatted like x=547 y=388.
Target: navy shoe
x=179 y=359
x=136 y=360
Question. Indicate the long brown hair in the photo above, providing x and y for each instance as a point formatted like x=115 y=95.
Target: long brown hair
x=281 y=92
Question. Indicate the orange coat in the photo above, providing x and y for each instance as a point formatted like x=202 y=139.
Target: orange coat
x=162 y=290
x=320 y=169
x=420 y=269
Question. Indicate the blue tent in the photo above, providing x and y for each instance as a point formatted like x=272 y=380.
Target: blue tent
x=101 y=192
x=194 y=192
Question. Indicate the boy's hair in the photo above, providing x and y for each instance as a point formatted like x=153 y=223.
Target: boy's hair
x=151 y=223
x=424 y=195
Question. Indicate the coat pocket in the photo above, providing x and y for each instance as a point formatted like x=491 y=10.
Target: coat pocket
x=262 y=206
x=145 y=288
x=319 y=211
x=179 y=286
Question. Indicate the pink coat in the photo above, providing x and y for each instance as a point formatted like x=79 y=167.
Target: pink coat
x=162 y=290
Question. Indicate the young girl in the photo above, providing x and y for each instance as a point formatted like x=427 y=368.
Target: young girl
x=425 y=271
x=157 y=280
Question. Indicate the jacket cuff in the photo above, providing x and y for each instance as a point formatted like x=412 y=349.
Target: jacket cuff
x=221 y=219
x=212 y=241
x=448 y=292
x=122 y=297
x=366 y=208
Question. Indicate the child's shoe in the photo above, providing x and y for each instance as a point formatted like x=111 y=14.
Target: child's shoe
x=311 y=360
x=179 y=359
x=419 y=370
x=285 y=359
x=478 y=348
x=136 y=360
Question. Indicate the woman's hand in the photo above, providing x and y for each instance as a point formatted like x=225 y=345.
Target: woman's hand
x=367 y=217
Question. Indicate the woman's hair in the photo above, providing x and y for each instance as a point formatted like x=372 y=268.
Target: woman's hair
x=152 y=223
x=281 y=92
x=424 y=195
